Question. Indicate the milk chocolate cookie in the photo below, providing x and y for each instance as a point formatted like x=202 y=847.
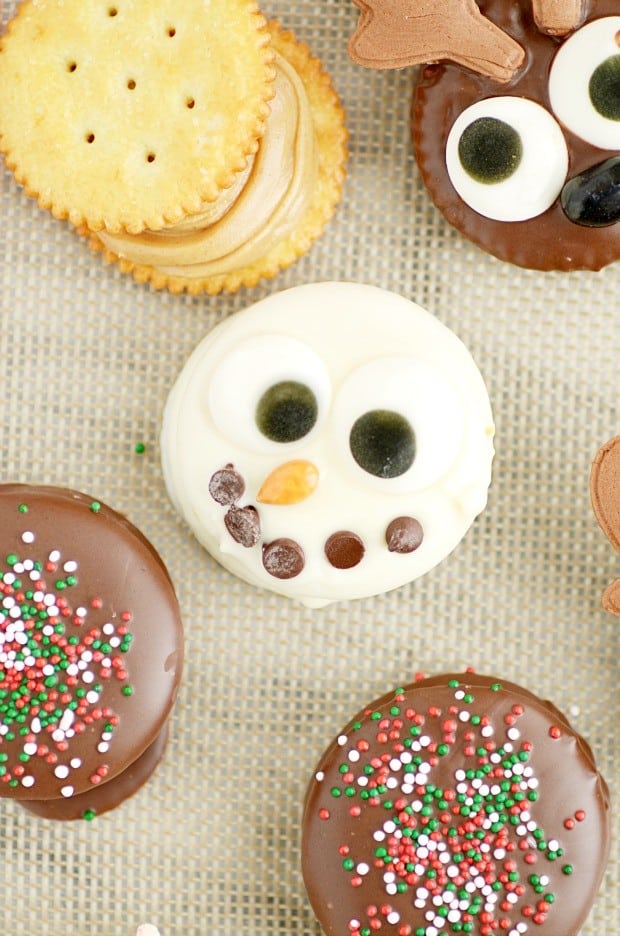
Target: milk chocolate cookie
x=605 y=494
x=459 y=804
x=91 y=651
x=517 y=131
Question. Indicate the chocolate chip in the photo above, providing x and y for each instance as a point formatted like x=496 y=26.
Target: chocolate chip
x=344 y=549
x=243 y=524
x=226 y=486
x=283 y=558
x=404 y=535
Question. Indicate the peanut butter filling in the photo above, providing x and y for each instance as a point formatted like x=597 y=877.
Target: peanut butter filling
x=261 y=208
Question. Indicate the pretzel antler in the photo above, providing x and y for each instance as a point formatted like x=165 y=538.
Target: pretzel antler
x=399 y=33
x=605 y=494
x=558 y=17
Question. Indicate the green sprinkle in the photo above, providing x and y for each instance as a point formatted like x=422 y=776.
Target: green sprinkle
x=95 y=506
x=140 y=448
x=89 y=815
x=567 y=869
x=23 y=508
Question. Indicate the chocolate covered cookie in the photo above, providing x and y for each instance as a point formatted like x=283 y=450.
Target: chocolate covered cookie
x=458 y=804
x=330 y=442
x=91 y=652
x=605 y=495
x=517 y=131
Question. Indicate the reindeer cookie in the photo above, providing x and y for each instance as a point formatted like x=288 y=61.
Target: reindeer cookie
x=515 y=121
x=605 y=494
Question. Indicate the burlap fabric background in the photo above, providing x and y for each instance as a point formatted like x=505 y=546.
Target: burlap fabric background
x=211 y=845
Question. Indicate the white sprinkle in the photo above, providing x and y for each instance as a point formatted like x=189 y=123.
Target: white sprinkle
x=92 y=696
x=70 y=566
x=353 y=754
x=88 y=676
x=62 y=771
x=103 y=747
x=67 y=720
x=319 y=775
x=28 y=781
x=8 y=578
x=67 y=791
x=393 y=917
x=35 y=725
x=54 y=556
x=80 y=612
x=342 y=740
x=30 y=749
x=28 y=565
x=76 y=762
x=363 y=868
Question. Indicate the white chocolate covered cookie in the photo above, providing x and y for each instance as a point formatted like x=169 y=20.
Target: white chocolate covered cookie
x=332 y=441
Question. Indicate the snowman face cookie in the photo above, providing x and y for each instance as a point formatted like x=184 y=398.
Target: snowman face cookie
x=333 y=441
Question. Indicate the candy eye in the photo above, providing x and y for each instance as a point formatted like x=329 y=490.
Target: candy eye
x=383 y=443
x=584 y=83
x=287 y=411
x=507 y=158
x=268 y=392
x=398 y=423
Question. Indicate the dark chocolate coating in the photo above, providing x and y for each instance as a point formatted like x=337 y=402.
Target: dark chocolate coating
x=550 y=241
x=504 y=799
x=106 y=796
x=108 y=632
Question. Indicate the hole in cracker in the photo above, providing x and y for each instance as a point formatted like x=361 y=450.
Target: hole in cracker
x=90 y=137
x=71 y=67
x=172 y=31
x=112 y=11
x=131 y=84
x=190 y=103
x=150 y=158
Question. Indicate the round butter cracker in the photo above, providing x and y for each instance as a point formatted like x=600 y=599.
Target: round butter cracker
x=331 y=134
x=114 y=114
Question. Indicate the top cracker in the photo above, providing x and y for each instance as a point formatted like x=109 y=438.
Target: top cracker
x=128 y=114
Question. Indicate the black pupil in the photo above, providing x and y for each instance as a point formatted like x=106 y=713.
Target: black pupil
x=490 y=150
x=605 y=88
x=287 y=411
x=383 y=443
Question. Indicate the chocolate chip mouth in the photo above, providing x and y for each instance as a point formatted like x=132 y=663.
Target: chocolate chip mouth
x=284 y=558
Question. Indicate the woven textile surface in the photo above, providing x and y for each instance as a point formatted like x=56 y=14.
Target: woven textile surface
x=212 y=844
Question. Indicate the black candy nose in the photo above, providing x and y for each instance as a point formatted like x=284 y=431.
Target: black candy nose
x=593 y=197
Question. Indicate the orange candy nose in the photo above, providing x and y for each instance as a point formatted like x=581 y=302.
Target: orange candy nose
x=289 y=483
